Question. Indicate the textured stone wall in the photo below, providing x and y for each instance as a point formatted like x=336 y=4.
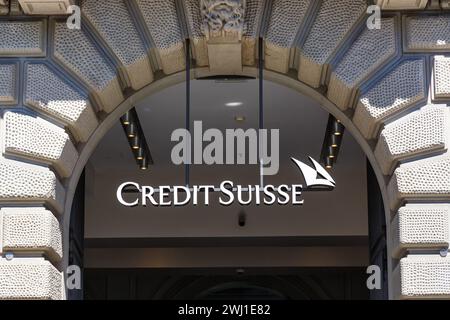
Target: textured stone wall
x=57 y=85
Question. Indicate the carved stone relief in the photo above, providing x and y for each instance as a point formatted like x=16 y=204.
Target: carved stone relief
x=223 y=20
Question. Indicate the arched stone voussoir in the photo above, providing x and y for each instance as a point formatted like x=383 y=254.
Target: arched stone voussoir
x=47 y=93
x=371 y=50
x=421 y=132
x=161 y=19
x=8 y=91
x=31 y=279
x=26 y=183
x=113 y=22
x=37 y=139
x=195 y=24
x=76 y=52
x=31 y=230
x=426 y=179
x=422 y=277
x=420 y=226
x=427 y=33
x=334 y=21
x=252 y=21
x=286 y=18
x=398 y=90
x=441 y=77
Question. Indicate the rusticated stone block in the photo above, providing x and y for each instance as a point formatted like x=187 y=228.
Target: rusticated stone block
x=113 y=21
x=370 y=50
x=23 y=182
x=420 y=226
x=441 y=77
x=30 y=279
x=286 y=18
x=332 y=24
x=427 y=32
x=422 y=179
x=38 y=139
x=8 y=90
x=162 y=22
x=23 y=38
x=47 y=93
x=398 y=90
x=423 y=277
x=31 y=230
x=421 y=132
x=75 y=50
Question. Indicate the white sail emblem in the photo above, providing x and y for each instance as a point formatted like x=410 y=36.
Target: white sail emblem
x=315 y=177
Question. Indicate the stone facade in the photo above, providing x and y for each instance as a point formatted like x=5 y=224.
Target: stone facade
x=57 y=86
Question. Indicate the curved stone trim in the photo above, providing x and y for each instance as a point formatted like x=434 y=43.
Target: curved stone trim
x=28 y=183
x=421 y=132
x=368 y=52
x=30 y=279
x=400 y=89
x=423 y=179
x=418 y=226
x=423 y=276
x=47 y=93
x=31 y=230
x=38 y=139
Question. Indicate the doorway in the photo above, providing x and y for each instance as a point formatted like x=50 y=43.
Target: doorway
x=331 y=238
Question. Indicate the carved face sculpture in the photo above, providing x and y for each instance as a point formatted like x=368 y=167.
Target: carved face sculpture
x=222 y=15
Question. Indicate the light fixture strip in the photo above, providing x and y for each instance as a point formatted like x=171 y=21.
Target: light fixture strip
x=332 y=142
x=136 y=138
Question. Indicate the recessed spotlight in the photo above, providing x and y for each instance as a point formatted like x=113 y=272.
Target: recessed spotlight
x=331 y=153
x=144 y=164
x=131 y=130
x=135 y=143
x=334 y=141
x=329 y=163
x=126 y=119
x=234 y=104
x=140 y=154
x=239 y=118
x=338 y=128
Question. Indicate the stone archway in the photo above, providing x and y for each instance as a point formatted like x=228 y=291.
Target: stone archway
x=62 y=89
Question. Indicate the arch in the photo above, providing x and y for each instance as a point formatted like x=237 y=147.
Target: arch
x=65 y=88
x=177 y=78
